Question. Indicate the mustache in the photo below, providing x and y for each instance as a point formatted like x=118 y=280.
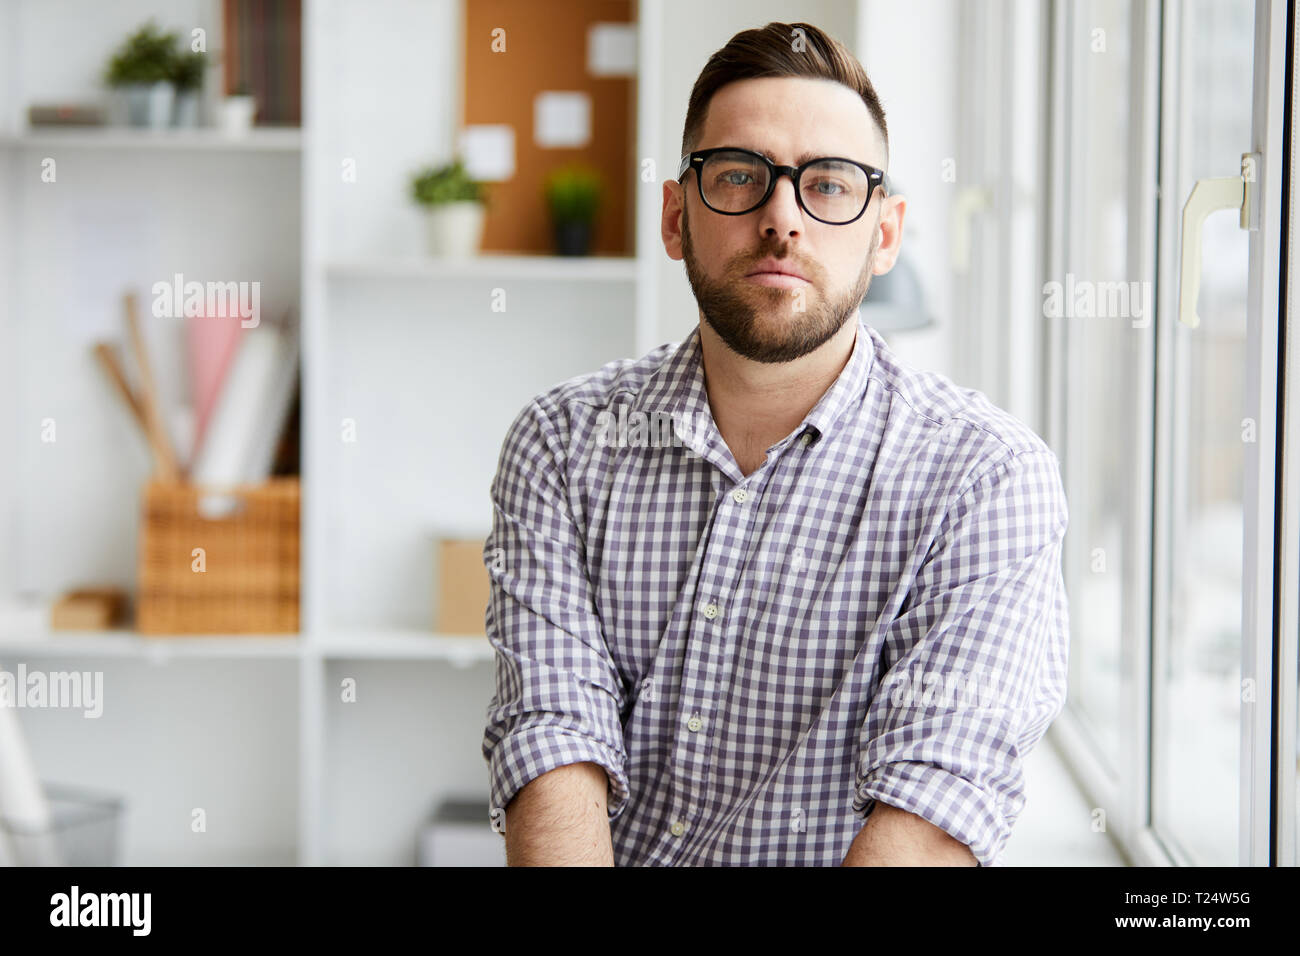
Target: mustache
x=744 y=264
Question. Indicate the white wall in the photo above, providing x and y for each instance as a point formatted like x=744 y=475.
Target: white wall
x=909 y=51
x=433 y=378
x=388 y=105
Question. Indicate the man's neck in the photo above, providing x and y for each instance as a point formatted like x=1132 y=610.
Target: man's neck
x=756 y=404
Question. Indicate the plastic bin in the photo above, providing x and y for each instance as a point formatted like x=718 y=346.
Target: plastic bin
x=85 y=829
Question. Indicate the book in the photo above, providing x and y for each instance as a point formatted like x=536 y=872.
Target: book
x=211 y=341
x=263 y=40
x=241 y=436
x=66 y=114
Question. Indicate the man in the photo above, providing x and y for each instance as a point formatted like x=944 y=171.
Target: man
x=827 y=592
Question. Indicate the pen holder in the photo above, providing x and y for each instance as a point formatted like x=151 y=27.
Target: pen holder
x=219 y=560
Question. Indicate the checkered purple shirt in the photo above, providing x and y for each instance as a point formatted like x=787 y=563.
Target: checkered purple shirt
x=876 y=613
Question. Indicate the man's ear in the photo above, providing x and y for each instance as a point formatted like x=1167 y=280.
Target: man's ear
x=891 y=234
x=670 y=224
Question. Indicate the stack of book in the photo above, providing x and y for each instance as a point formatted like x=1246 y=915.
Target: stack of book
x=243 y=387
x=263 y=56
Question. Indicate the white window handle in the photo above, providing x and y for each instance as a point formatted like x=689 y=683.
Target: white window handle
x=1209 y=195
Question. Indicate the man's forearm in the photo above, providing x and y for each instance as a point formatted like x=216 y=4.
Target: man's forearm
x=894 y=837
x=561 y=819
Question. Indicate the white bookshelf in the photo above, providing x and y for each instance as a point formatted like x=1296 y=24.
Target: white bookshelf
x=490 y=266
x=129 y=644
x=116 y=137
x=462 y=650
x=253 y=727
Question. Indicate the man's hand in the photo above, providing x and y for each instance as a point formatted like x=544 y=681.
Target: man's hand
x=561 y=819
x=893 y=837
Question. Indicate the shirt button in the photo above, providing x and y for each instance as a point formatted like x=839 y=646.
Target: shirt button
x=807 y=439
x=695 y=723
x=739 y=496
x=710 y=611
x=678 y=828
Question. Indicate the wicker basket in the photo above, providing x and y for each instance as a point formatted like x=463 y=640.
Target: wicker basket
x=249 y=582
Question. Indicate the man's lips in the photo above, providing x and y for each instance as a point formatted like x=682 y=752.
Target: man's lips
x=773 y=274
x=774 y=268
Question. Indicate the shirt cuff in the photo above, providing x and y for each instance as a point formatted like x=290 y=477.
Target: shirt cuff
x=524 y=755
x=951 y=803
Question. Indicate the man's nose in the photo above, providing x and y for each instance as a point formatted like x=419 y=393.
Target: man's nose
x=781 y=212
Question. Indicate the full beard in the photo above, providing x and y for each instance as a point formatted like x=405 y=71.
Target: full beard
x=746 y=315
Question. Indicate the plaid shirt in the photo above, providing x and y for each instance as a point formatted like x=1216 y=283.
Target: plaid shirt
x=875 y=613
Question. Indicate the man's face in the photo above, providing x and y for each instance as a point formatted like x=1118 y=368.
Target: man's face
x=760 y=318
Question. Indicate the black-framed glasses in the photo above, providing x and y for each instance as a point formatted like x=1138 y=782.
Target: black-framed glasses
x=831 y=189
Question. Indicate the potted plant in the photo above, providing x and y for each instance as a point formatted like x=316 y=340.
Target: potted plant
x=187 y=76
x=454 y=207
x=573 y=194
x=238 y=110
x=140 y=71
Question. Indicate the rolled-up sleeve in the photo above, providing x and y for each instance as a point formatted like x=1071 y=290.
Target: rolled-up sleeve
x=980 y=656
x=558 y=694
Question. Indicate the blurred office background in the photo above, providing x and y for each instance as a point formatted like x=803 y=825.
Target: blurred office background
x=1028 y=136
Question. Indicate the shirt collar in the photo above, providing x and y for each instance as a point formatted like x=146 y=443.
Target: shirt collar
x=848 y=389
x=677 y=389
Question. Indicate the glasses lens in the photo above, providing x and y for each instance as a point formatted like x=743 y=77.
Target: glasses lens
x=733 y=182
x=835 y=191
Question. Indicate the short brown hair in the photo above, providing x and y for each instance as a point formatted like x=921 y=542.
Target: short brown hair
x=770 y=51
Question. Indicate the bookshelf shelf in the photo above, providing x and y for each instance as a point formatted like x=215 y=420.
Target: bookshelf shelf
x=461 y=650
x=129 y=644
x=490 y=266
x=122 y=137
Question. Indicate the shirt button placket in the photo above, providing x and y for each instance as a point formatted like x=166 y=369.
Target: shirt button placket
x=717 y=577
x=691 y=749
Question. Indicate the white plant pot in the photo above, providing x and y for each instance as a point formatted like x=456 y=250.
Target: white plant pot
x=237 y=114
x=186 y=113
x=455 y=229
x=149 y=104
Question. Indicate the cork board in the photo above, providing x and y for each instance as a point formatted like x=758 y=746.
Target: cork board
x=546 y=51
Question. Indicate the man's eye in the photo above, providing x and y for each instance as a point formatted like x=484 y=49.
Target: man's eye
x=734 y=177
x=836 y=189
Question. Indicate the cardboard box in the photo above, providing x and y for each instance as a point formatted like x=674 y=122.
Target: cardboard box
x=89 y=609
x=463 y=586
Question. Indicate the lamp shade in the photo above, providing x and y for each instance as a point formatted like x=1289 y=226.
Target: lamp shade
x=895 y=301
